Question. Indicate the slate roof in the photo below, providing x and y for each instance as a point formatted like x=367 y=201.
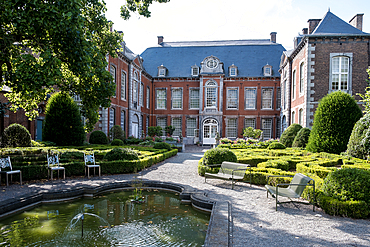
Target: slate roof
x=248 y=55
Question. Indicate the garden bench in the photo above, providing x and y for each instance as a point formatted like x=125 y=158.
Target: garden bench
x=230 y=171
x=90 y=163
x=294 y=190
x=5 y=163
x=53 y=165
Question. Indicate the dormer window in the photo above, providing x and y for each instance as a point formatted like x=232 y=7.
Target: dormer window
x=194 y=70
x=211 y=63
x=233 y=70
x=267 y=70
x=162 y=71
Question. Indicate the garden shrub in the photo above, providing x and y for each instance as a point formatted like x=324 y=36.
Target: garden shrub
x=278 y=164
x=162 y=145
x=16 y=135
x=276 y=145
x=98 y=137
x=132 y=140
x=116 y=132
x=218 y=155
x=121 y=154
x=301 y=139
x=117 y=142
x=333 y=122
x=359 y=141
x=252 y=133
x=289 y=134
x=335 y=207
x=62 y=123
x=155 y=131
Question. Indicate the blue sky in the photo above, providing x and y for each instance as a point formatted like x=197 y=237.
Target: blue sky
x=199 y=20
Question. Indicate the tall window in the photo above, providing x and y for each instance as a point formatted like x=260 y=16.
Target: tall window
x=232 y=98
x=162 y=122
x=176 y=94
x=211 y=94
x=293 y=85
x=147 y=97
x=278 y=98
x=231 y=128
x=293 y=117
x=123 y=85
x=161 y=98
x=112 y=117
x=194 y=70
x=250 y=122
x=141 y=94
x=301 y=77
x=340 y=73
x=284 y=95
x=176 y=122
x=267 y=94
x=123 y=119
x=194 y=98
x=300 y=116
x=267 y=128
x=191 y=126
x=278 y=127
x=250 y=98
x=113 y=73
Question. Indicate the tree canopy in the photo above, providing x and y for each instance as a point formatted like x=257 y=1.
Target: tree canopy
x=63 y=45
x=139 y=6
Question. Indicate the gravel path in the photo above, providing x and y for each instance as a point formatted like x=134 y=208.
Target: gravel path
x=255 y=221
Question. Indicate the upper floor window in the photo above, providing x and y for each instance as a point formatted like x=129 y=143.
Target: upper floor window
x=123 y=85
x=267 y=70
x=278 y=98
x=141 y=94
x=250 y=98
x=301 y=77
x=340 y=72
x=293 y=84
x=161 y=98
x=232 y=98
x=136 y=76
x=267 y=96
x=162 y=71
x=194 y=70
x=211 y=94
x=233 y=70
x=147 y=97
x=211 y=63
x=113 y=73
x=176 y=98
x=134 y=92
x=194 y=98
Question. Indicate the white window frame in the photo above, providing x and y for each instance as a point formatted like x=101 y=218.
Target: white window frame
x=147 y=97
x=266 y=127
x=141 y=94
x=233 y=71
x=193 y=99
x=294 y=88
x=267 y=70
x=176 y=100
x=232 y=103
x=113 y=72
x=301 y=77
x=211 y=90
x=191 y=126
x=123 y=119
x=254 y=99
x=162 y=121
x=123 y=85
x=161 y=72
x=177 y=123
x=135 y=88
x=300 y=116
x=264 y=99
x=194 y=70
x=278 y=98
x=349 y=74
x=162 y=98
x=292 y=120
x=231 y=127
x=112 y=117
x=246 y=124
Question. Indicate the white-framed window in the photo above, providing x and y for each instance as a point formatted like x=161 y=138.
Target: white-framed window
x=147 y=124
x=293 y=117
x=147 y=97
x=267 y=70
x=176 y=94
x=123 y=85
x=233 y=70
x=194 y=98
x=211 y=94
x=161 y=98
x=194 y=70
x=278 y=127
x=294 y=84
x=300 y=116
x=250 y=97
x=283 y=103
x=340 y=70
x=211 y=63
x=266 y=127
x=162 y=121
x=135 y=86
x=191 y=126
x=162 y=71
x=232 y=98
x=114 y=75
x=278 y=98
x=231 y=128
x=123 y=119
x=176 y=122
x=267 y=98
x=141 y=94
x=112 y=117
x=250 y=122
x=301 y=77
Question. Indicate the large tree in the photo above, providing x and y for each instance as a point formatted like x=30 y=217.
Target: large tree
x=56 y=44
x=139 y=6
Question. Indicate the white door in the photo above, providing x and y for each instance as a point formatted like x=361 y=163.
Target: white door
x=135 y=130
x=210 y=127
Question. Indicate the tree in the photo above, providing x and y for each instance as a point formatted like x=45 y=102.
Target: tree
x=56 y=44
x=63 y=123
x=141 y=6
x=289 y=134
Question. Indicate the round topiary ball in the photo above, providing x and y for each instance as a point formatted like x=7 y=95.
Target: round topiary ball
x=219 y=155
x=162 y=145
x=117 y=142
x=98 y=137
x=289 y=134
x=16 y=135
x=121 y=154
x=301 y=139
x=276 y=145
x=359 y=141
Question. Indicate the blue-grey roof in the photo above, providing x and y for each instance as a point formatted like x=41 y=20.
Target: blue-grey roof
x=332 y=24
x=248 y=55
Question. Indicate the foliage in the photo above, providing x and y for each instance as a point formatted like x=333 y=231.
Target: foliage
x=334 y=120
x=169 y=130
x=218 y=155
x=132 y=140
x=116 y=132
x=359 y=141
x=162 y=145
x=155 y=131
x=141 y=6
x=64 y=48
x=16 y=135
x=276 y=145
x=289 y=134
x=170 y=139
x=121 y=154
x=301 y=139
x=252 y=133
x=98 y=137
x=225 y=141
x=62 y=123
x=366 y=96
x=117 y=142
x=158 y=139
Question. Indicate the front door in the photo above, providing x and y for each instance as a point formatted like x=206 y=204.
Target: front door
x=210 y=128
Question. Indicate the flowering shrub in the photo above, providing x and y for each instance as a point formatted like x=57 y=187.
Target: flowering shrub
x=226 y=141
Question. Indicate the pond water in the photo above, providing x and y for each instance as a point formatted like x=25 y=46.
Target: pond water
x=108 y=220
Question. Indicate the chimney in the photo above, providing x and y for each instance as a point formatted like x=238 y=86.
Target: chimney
x=356 y=21
x=305 y=31
x=160 y=39
x=312 y=24
x=273 y=37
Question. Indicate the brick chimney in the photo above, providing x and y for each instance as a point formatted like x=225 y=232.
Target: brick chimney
x=312 y=24
x=273 y=37
x=356 y=21
x=160 y=39
x=305 y=31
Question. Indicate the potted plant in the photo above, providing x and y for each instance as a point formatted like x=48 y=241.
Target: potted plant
x=169 y=130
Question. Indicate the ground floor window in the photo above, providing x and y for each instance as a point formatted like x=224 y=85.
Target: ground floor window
x=191 y=126
x=267 y=128
x=231 y=128
x=123 y=117
x=250 y=122
x=162 y=121
x=176 y=122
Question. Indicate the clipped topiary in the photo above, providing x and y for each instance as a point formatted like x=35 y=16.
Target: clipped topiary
x=333 y=122
x=276 y=145
x=117 y=142
x=301 y=139
x=359 y=141
x=289 y=134
x=162 y=145
x=218 y=155
x=63 y=123
x=116 y=132
x=121 y=154
x=16 y=135
x=98 y=137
